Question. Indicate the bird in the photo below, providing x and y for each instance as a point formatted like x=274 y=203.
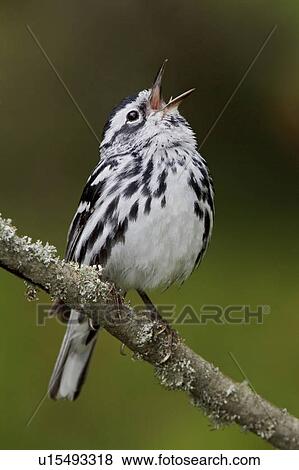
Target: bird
x=145 y=215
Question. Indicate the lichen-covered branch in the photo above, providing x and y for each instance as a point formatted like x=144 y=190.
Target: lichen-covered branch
x=223 y=400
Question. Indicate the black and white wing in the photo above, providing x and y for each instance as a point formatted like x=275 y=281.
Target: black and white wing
x=89 y=200
x=79 y=340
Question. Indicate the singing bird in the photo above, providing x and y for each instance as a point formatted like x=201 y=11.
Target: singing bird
x=145 y=215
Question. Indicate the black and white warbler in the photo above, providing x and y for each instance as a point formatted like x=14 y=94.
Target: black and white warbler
x=145 y=215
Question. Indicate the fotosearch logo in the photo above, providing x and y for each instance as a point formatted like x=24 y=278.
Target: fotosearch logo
x=187 y=315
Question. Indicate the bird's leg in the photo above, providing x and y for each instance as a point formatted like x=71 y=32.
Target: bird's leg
x=149 y=304
x=171 y=335
x=147 y=301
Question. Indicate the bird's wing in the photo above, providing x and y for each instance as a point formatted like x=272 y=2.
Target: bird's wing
x=90 y=196
x=79 y=341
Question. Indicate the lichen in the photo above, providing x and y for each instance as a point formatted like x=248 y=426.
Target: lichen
x=136 y=356
x=91 y=287
x=7 y=230
x=263 y=427
x=218 y=406
x=45 y=254
x=231 y=390
x=30 y=292
x=215 y=405
x=144 y=335
x=177 y=374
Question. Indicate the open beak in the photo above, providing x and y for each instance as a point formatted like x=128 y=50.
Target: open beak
x=175 y=102
x=156 y=100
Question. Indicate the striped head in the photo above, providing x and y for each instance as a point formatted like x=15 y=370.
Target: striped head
x=146 y=118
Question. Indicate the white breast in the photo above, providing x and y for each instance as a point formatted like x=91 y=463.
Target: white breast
x=160 y=247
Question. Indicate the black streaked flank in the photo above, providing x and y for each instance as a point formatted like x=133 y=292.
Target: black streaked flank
x=163 y=202
x=205 y=237
x=145 y=191
x=95 y=234
x=205 y=181
x=147 y=207
x=105 y=251
x=111 y=208
x=194 y=185
x=207 y=224
x=83 y=249
x=119 y=234
x=131 y=188
x=134 y=211
x=74 y=234
x=211 y=202
x=198 y=258
x=198 y=211
x=197 y=162
x=114 y=188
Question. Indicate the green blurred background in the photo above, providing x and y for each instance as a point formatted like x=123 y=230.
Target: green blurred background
x=105 y=51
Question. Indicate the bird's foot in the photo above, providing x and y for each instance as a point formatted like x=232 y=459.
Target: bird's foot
x=92 y=325
x=169 y=342
x=122 y=348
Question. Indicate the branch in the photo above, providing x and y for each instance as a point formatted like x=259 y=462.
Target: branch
x=223 y=400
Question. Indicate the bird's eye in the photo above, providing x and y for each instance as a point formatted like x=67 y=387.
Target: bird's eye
x=132 y=116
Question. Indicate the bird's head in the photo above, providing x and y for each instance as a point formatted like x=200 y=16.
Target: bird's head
x=146 y=119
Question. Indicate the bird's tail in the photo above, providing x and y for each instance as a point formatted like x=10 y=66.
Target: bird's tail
x=73 y=359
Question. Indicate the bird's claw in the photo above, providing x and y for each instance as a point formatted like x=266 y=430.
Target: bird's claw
x=122 y=349
x=92 y=325
x=161 y=330
x=170 y=339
